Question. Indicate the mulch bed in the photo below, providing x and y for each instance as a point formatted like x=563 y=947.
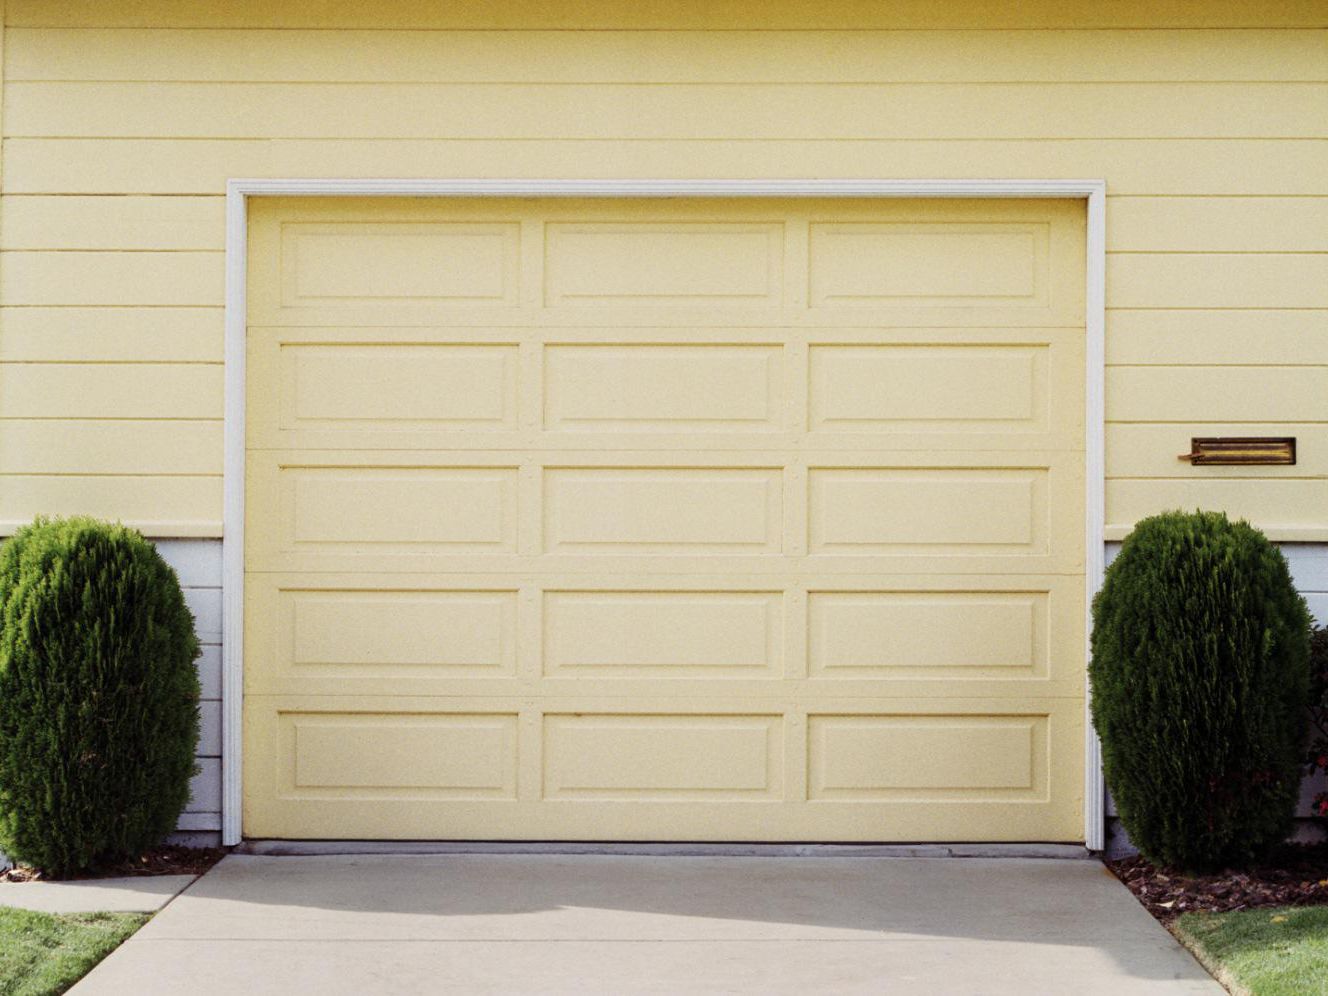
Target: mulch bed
x=1294 y=875
x=170 y=859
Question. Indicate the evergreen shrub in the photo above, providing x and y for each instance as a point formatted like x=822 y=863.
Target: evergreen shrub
x=98 y=695
x=1316 y=758
x=1199 y=685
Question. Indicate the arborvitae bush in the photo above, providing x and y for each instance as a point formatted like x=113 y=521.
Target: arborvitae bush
x=1199 y=678
x=98 y=695
x=1316 y=759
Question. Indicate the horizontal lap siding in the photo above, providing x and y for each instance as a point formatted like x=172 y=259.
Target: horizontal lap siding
x=197 y=563
x=102 y=334
x=120 y=224
x=1309 y=567
x=662 y=14
x=616 y=111
x=130 y=165
x=118 y=143
x=676 y=56
x=1140 y=224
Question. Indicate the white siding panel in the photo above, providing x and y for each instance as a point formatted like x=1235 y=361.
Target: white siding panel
x=205 y=787
x=190 y=821
x=1309 y=565
x=209 y=671
x=205 y=604
x=198 y=564
x=209 y=729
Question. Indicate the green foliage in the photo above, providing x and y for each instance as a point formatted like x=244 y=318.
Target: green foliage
x=98 y=695
x=1200 y=677
x=1316 y=758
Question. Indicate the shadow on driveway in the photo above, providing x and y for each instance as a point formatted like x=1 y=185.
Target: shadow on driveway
x=564 y=923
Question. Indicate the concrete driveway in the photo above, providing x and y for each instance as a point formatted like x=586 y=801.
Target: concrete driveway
x=622 y=924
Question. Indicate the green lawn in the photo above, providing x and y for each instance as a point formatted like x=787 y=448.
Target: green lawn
x=1264 y=952
x=41 y=953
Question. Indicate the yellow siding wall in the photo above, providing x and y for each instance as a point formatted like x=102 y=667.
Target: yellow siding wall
x=122 y=120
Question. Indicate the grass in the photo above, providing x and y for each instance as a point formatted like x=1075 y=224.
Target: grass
x=41 y=953
x=1263 y=952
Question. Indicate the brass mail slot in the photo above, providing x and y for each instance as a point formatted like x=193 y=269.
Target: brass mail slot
x=1247 y=450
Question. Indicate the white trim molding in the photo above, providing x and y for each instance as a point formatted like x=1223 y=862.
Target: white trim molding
x=238 y=192
x=1095 y=505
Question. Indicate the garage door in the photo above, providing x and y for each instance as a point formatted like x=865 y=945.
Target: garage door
x=665 y=520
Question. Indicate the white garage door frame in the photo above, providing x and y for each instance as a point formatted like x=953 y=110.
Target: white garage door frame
x=238 y=192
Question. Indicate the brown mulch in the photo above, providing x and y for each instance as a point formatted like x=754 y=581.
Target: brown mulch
x=169 y=859
x=1294 y=875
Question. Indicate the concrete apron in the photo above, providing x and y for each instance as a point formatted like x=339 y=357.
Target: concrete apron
x=615 y=923
x=138 y=894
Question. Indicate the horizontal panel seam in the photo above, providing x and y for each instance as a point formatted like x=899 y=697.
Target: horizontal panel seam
x=217 y=199
x=642 y=84
x=267 y=143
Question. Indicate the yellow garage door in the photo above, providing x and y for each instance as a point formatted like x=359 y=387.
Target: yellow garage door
x=665 y=520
